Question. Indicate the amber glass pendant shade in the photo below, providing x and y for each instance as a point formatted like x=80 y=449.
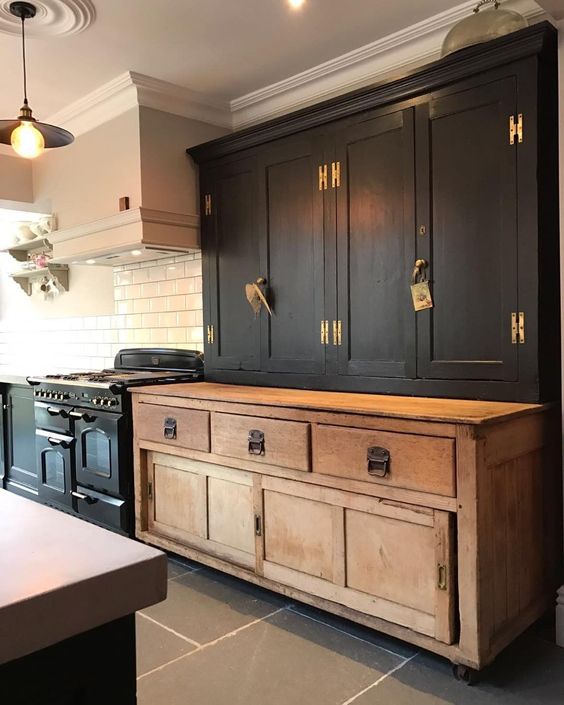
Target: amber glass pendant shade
x=488 y=21
x=27 y=136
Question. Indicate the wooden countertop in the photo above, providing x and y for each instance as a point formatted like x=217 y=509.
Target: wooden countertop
x=418 y=408
x=60 y=576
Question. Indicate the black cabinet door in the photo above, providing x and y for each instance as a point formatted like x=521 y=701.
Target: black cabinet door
x=467 y=181
x=376 y=246
x=20 y=464
x=292 y=255
x=231 y=252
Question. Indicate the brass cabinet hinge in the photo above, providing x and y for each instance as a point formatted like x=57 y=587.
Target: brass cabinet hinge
x=150 y=490
x=258 y=525
x=442 y=576
x=518 y=328
x=516 y=128
x=337 y=332
x=211 y=335
x=324 y=332
x=207 y=204
x=323 y=177
x=335 y=174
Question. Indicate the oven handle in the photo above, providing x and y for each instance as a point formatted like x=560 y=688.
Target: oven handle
x=82 y=416
x=58 y=442
x=63 y=413
x=85 y=497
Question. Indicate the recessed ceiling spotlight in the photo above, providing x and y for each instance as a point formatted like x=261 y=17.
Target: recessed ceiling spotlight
x=296 y=4
x=90 y=261
x=136 y=253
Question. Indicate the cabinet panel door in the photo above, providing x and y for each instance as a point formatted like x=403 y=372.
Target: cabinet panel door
x=389 y=560
x=468 y=201
x=232 y=259
x=20 y=459
x=292 y=256
x=206 y=506
x=376 y=246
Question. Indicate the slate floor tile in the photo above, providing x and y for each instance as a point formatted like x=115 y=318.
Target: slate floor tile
x=204 y=605
x=401 y=648
x=531 y=672
x=156 y=646
x=286 y=659
x=176 y=569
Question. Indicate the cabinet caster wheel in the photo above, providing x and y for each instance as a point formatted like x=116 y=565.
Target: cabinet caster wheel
x=465 y=674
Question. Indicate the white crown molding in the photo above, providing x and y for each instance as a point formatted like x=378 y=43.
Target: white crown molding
x=131 y=90
x=409 y=47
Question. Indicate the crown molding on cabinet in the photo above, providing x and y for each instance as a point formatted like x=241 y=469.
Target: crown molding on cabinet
x=402 y=50
x=410 y=47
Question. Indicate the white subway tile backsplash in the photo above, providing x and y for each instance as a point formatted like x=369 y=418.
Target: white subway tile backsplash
x=157 y=274
x=175 y=271
x=157 y=304
x=176 y=303
x=166 y=288
x=123 y=278
x=167 y=320
x=149 y=290
x=140 y=276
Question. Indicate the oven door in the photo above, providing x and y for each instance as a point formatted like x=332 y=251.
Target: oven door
x=102 y=450
x=54 y=464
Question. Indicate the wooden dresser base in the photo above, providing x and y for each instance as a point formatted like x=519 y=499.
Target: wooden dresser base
x=310 y=525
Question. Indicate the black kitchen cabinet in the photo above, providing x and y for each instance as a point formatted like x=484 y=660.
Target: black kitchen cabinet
x=20 y=470
x=231 y=259
x=376 y=246
x=291 y=241
x=454 y=166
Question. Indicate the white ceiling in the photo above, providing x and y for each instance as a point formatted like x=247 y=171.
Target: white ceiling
x=224 y=48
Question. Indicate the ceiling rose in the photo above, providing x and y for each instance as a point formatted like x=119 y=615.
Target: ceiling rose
x=53 y=18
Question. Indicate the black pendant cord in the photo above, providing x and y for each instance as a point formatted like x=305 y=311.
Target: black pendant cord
x=24 y=64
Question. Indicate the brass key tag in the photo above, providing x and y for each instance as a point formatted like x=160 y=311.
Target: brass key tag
x=421 y=295
x=420 y=291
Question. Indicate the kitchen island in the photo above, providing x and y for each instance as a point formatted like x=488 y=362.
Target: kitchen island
x=68 y=596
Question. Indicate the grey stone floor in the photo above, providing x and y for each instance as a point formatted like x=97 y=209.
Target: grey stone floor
x=220 y=641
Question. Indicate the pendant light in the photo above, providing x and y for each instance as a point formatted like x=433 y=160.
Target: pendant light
x=27 y=136
x=494 y=22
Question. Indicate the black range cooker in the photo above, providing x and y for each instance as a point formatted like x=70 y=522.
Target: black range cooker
x=83 y=432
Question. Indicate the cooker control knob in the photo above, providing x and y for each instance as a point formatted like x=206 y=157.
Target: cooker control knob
x=96 y=401
x=112 y=402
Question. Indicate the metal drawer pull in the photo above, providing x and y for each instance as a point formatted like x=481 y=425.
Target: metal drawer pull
x=256 y=442
x=170 y=428
x=57 y=442
x=52 y=411
x=378 y=461
x=85 y=497
x=82 y=416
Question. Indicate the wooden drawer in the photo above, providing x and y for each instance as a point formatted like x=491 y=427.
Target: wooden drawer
x=286 y=443
x=189 y=428
x=421 y=463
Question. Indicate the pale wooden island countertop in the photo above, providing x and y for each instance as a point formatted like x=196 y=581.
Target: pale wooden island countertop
x=463 y=411
x=60 y=576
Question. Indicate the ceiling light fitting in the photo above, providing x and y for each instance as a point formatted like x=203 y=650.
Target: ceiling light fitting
x=27 y=136
x=296 y=4
x=493 y=22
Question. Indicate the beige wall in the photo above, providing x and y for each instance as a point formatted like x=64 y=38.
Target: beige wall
x=16 y=182
x=85 y=180
x=168 y=175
